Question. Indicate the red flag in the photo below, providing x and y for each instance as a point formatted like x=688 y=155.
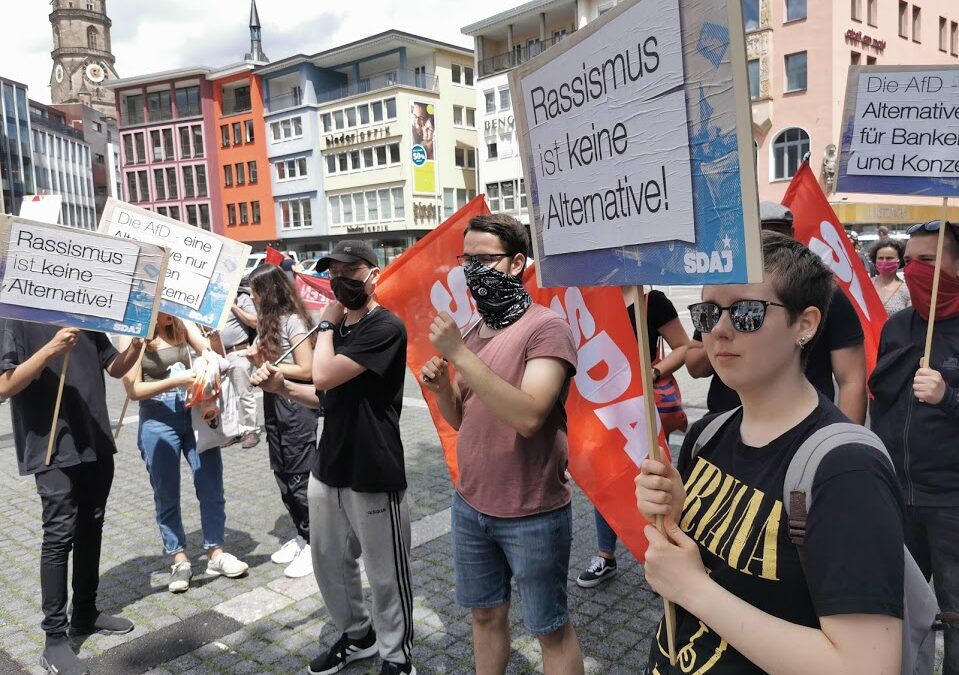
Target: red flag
x=817 y=226
x=273 y=257
x=315 y=292
x=605 y=408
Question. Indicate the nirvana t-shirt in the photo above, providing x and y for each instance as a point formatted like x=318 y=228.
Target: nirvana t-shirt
x=502 y=473
x=360 y=447
x=841 y=329
x=83 y=428
x=854 y=537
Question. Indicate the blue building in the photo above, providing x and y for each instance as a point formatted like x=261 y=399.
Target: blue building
x=16 y=154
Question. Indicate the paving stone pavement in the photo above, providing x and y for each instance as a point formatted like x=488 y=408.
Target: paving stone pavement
x=276 y=625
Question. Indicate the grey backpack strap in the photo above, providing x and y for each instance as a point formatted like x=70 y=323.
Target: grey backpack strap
x=707 y=434
x=797 y=488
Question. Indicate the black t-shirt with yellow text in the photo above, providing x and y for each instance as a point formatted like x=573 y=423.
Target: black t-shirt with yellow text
x=853 y=549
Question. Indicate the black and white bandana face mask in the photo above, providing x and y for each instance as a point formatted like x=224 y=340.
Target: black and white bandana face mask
x=500 y=298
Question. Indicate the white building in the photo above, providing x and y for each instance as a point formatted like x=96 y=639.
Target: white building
x=502 y=42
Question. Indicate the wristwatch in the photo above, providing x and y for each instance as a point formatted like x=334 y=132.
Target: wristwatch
x=325 y=325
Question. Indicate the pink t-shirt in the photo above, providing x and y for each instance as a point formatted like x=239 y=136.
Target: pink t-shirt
x=503 y=474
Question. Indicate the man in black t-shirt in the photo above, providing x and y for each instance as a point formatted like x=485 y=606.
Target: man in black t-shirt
x=837 y=350
x=75 y=485
x=357 y=489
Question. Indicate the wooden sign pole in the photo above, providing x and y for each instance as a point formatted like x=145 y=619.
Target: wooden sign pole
x=126 y=402
x=652 y=429
x=56 y=408
x=935 y=283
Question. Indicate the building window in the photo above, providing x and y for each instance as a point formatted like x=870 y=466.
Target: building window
x=201 y=189
x=795 y=10
x=871 y=17
x=244 y=214
x=789 y=148
x=903 y=19
x=870 y=60
x=250 y=133
x=943 y=33
x=255 y=208
x=197 y=132
x=504 y=100
x=188 y=101
x=458 y=115
x=376 y=110
x=93 y=38
x=162 y=142
x=490 y=96
x=471 y=118
x=916 y=24
x=171 y=184
x=291 y=168
x=449 y=202
x=287 y=129
x=240 y=174
x=855 y=10
x=753 y=67
x=855 y=58
x=191 y=216
x=144 y=186
x=251 y=172
x=228 y=175
x=175 y=212
x=492 y=196
x=231 y=214
x=796 y=71
x=205 y=216
x=462 y=74
x=389 y=105
x=158 y=185
x=189 y=185
x=237 y=133
x=186 y=151
x=158 y=105
x=954 y=38
x=132 y=195
x=296 y=214
x=465 y=158
x=491 y=150
x=225 y=135
x=751 y=15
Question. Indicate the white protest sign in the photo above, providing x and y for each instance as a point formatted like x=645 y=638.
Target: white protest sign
x=65 y=270
x=42 y=208
x=609 y=135
x=901 y=131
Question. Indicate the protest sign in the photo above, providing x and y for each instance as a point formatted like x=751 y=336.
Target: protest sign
x=607 y=429
x=900 y=131
x=817 y=226
x=636 y=140
x=42 y=208
x=204 y=270
x=75 y=278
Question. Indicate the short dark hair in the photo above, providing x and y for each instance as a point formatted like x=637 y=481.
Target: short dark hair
x=799 y=277
x=887 y=243
x=511 y=232
x=951 y=243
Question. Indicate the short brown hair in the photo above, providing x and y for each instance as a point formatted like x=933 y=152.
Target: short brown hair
x=887 y=243
x=511 y=232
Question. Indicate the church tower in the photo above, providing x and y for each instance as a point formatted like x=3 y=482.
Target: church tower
x=82 y=57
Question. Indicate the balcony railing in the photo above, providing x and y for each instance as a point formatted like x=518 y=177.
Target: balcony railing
x=520 y=55
x=407 y=78
x=290 y=100
x=236 y=107
x=55 y=126
x=133 y=117
x=189 y=111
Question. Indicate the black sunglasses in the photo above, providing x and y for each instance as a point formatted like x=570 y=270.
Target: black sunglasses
x=933 y=226
x=747 y=316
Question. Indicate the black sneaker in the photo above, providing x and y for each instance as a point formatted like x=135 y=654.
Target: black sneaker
x=344 y=651
x=59 y=658
x=390 y=668
x=105 y=624
x=600 y=569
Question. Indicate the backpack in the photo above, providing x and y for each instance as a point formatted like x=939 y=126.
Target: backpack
x=921 y=617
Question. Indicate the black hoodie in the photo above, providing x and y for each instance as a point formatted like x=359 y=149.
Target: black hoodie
x=923 y=439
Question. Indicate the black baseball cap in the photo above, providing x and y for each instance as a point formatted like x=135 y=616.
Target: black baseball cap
x=347 y=251
x=771 y=213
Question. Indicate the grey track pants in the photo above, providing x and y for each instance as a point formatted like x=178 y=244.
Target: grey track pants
x=344 y=525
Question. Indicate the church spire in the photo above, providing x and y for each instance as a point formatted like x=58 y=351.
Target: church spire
x=256 y=38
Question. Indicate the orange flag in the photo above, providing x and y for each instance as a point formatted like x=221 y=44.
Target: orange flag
x=605 y=410
x=816 y=226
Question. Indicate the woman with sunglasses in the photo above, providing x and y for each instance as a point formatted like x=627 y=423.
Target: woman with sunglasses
x=282 y=323
x=744 y=601
x=166 y=433
x=887 y=257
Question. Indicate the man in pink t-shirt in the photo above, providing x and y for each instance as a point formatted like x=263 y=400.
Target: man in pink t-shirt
x=511 y=508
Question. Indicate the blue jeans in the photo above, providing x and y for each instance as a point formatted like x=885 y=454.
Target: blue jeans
x=605 y=536
x=489 y=552
x=165 y=433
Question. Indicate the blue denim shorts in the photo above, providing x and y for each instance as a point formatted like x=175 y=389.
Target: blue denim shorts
x=489 y=552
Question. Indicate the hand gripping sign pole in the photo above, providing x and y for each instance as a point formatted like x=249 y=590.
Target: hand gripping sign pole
x=652 y=431
x=927 y=354
x=56 y=408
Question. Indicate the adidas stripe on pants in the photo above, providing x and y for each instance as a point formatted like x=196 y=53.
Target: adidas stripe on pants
x=345 y=524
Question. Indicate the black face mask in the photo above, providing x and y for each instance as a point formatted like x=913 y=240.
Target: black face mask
x=500 y=298
x=351 y=293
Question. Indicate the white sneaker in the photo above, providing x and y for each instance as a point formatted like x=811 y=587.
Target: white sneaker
x=227 y=565
x=302 y=564
x=288 y=551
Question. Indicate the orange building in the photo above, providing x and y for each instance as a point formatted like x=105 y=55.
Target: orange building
x=243 y=168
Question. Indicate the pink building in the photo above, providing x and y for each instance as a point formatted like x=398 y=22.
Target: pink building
x=167 y=138
x=799 y=53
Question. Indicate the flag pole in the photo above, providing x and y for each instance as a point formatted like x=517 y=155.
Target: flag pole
x=652 y=431
x=56 y=408
x=935 y=283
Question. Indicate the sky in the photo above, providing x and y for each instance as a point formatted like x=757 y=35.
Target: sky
x=155 y=35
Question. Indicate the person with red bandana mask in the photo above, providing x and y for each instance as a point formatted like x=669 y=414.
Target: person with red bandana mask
x=916 y=414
